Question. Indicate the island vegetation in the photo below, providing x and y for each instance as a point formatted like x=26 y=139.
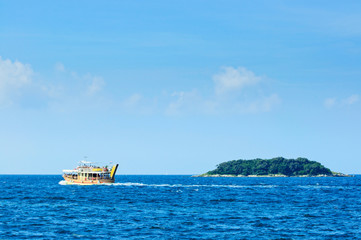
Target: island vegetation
x=279 y=166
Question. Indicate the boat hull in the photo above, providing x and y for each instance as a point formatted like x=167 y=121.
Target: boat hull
x=87 y=182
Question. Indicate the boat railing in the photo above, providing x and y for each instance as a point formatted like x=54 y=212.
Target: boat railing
x=87 y=178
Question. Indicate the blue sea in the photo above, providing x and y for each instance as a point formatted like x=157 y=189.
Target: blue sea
x=180 y=207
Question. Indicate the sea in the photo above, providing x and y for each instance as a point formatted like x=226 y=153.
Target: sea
x=181 y=207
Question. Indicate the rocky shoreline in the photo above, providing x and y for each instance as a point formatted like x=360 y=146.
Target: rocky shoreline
x=273 y=175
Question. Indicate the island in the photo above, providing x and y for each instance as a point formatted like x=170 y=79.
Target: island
x=275 y=167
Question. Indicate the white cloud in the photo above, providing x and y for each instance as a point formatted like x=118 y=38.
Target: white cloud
x=20 y=85
x=330 y=102
x=13 y=76
x=351 y=100
x=95 y=86
x=221 y=102
x=59 y=88
x=234 y=79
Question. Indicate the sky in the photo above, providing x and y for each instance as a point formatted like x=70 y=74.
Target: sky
x=177 y=87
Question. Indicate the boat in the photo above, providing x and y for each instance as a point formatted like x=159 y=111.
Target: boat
x=88 y=173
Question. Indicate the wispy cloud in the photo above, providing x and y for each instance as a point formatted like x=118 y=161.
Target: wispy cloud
x=59 y=67
x=231 y=79
x=333 y=102
x=264 y=104
x=137 y=104
x=52 y=91
x=329 y=102
x=351 y=99
x=95 y=85
x=184 y=101
x=132 y=101
x=235 y=91
x=87 y=84
x=224 y=101
x=21 y=85
x=13 y=76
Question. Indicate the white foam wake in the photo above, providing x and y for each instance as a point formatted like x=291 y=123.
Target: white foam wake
x=189 y=186
x=135 y=184
x=63 y=182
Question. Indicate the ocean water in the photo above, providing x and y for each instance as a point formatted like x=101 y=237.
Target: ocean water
x=181 y=207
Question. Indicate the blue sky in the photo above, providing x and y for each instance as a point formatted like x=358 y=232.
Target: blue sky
x=166 y=87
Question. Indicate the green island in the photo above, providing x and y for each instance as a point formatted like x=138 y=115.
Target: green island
x=275 y=167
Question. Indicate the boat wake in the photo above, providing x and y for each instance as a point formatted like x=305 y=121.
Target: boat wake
x=133 y=184
x=63 y=182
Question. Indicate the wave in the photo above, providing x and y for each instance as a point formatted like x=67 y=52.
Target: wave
x=135 y=184
x=190 y=186
x=63 y=182
x=326 y=187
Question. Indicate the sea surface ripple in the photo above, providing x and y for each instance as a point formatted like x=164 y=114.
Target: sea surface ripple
x=180 y=207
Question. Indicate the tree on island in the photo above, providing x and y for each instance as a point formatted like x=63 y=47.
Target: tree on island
x=279 y=165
